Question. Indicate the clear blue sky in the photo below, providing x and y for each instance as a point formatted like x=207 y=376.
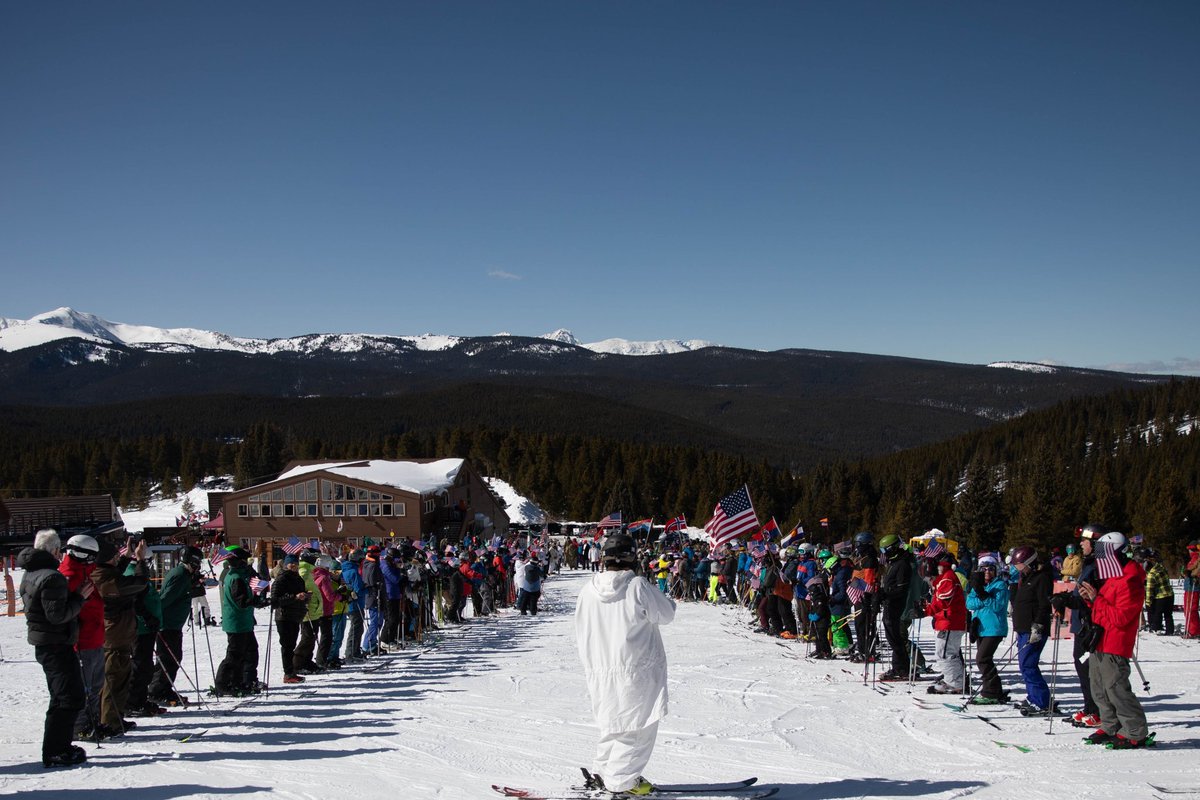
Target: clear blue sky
x=958 y=181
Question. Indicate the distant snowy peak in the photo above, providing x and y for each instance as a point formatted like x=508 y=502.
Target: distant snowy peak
x=67 y=323
x=624 y=347
x=1024 y=366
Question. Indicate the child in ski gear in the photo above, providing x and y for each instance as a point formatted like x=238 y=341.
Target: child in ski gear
x=988 y=601
x=947 y=610
x=1116 y=607
x=1031 y=622
x=616 y=624
x=1160 y=597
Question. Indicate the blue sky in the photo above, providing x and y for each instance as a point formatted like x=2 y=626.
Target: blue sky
x=961 y=181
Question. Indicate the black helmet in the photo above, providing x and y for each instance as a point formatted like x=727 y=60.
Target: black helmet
x=192 y=556
x=238 y=552
x=619 y=549
x=309 y=556
x=864 y=537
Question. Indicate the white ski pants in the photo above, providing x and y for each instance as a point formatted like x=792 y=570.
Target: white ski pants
x=621 y=758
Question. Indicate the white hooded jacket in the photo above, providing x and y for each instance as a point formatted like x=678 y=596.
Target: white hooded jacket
x=616 y=628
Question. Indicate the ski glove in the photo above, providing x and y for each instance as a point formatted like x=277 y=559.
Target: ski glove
x=1036 y=633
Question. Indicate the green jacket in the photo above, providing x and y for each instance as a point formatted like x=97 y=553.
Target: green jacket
x=237 y=601
x=149 y=605
x=315 y=610
x=176 y=598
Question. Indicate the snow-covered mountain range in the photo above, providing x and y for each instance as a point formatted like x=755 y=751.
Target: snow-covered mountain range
x=67 y=323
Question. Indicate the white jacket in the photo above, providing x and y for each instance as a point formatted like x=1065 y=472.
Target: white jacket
x=616 y=628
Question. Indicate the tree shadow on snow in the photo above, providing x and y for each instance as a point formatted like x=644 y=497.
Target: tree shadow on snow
x=872 y=787
x=145 y=793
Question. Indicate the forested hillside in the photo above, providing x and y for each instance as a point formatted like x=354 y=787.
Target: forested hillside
x=1129 y=459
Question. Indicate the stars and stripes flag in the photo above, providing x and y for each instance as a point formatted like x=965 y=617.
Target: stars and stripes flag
x=314 y=544
x=677 y=524
x=1107 y=563
x=933 y=549
x=796 y=534
x=613 y=520
x=855 y=591
x=733 y=516
x=219 y=556
x=257 y=584
x=294 y=546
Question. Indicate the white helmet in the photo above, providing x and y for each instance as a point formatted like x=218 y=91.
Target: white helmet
x=1115 y=541
x=808 y=548
x=83 y=547
x=325 y=562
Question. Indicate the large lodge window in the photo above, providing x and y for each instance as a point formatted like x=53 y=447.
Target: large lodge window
x=289 y=501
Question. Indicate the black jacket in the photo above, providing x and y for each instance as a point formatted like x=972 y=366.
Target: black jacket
x=283 y=597
x=1031 y=603
x=51 y=610
x=897 y=582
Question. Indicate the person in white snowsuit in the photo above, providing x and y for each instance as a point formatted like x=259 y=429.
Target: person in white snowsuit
x=625 y=665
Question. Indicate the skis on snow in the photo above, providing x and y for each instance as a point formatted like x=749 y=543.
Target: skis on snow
x=735 y=790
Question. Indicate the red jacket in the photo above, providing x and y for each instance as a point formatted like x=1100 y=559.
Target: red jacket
x=1117 y=609
x=948 y=608
x=91 y=617
x=324 y=582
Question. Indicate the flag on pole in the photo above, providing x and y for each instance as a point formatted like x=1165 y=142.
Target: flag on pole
x=1107 y=563
x=641 y=524
x=933 y=549
x=257 y=584
x=732 y=516
x=796 y=535
x=824 y=522
x=855 y=591
x=677 y=524
x=341 y=524
x=294 y=546
x=768 y=532
x=219 y=556
x=613 y=520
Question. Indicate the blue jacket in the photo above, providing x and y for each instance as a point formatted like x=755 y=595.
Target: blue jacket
x=353 y=580
x=839 y=602
x=992 y=609
x=393 y=579
x=805 y=572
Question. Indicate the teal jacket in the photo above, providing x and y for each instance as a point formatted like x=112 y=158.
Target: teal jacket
x=990 y=609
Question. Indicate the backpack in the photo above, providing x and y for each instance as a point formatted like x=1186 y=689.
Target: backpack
x=533 y=573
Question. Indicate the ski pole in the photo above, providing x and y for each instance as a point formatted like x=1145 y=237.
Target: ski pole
x=267 y=667
x=195 y=660
x=179 y=667
x=1142 y=675
x=1053 y=678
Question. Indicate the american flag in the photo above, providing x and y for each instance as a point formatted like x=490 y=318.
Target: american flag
x=1107 y=563
x=314 y=544
x=933 y=549
x=855 y=591
x=732 y=516
x=613 y=520
x=219 y=556
x=257 y=584
x=677 y=524
x=294 y=546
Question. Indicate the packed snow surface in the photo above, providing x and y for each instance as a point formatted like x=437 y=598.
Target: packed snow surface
x=501 y=700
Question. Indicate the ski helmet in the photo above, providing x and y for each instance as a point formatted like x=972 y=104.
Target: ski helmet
x=325 y=562
x=823 y=554
x=889 y=543
x=191 y=556
x=357 y=555
x=1072 y=549
x=1024 y=556
x=238 y=552
x=83 y=547
x=1092 y=531
x=808 y=549
x=619 y=550
x=830 y=562
x=1115 y=541
x=864 y=537
x=989 y=562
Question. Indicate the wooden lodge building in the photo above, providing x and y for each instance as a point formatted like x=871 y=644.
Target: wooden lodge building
x=349 y=502
x=22 y=517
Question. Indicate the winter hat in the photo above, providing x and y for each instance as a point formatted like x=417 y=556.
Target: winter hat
x=106 y=552
x=290 y=559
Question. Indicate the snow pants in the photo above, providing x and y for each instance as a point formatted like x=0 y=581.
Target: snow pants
x=1191 y=614
x=948 y=651
x=1120 y=711
x=370 y=637
x=840 y=625
x=354 y=623
x=65 y=684
x=92 y=664
x=1162 y=611
x=1083 y=670
x=289 y=632
x=621 y=757
x=985 y=660
x=1037 y=691
x=896 y=631
x=118 y=669
x=143 y=671
x=169 y=648
x=338 y=632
